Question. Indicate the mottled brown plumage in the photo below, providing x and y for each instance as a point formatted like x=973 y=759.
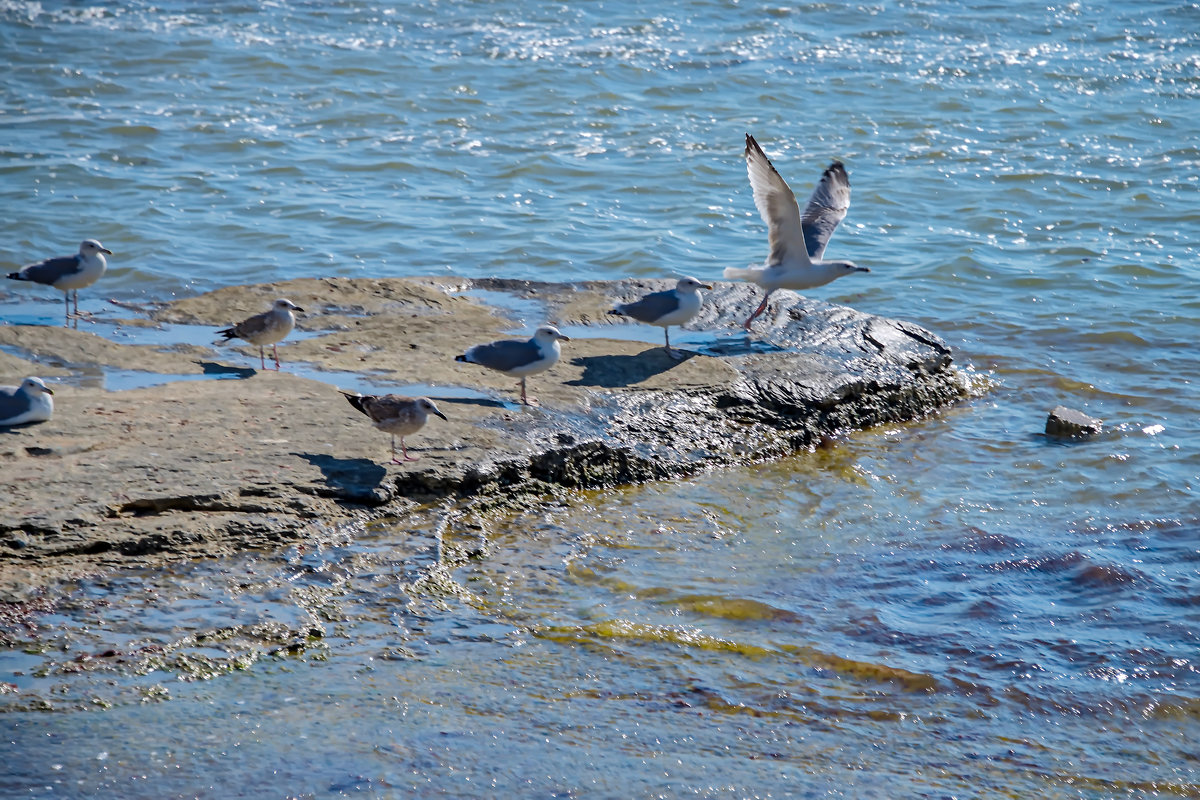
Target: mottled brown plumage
x=395 y=414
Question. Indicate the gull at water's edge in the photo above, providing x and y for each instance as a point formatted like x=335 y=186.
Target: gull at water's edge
x=68 y=273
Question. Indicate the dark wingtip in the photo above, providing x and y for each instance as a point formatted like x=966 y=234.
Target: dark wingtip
x=616 y=312
x=463 y=359
x=16 y=276
x=227 y=333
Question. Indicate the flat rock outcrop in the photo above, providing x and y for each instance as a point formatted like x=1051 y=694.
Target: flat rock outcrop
x=221 y=455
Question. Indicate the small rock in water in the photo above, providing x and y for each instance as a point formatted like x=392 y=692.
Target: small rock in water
x=1065 y=421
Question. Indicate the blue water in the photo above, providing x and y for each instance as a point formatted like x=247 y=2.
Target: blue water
x=956 y=607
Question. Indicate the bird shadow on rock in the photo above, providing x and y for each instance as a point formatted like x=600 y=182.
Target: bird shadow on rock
x=224 y=370
x=20 y=426
x=612 y=371
x=358 y=480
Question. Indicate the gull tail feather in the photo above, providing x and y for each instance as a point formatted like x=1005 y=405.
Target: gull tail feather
x=742 y=273
x=356 y=400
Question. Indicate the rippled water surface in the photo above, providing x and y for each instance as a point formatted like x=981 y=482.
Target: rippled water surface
x=956 y=607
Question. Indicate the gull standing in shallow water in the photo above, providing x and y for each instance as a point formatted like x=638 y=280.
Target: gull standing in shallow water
x=397 y=415
x=267 y=328
x=67 y=273
x=519 y=359
x=797 y=243
x=29 y=402
x=672 y=307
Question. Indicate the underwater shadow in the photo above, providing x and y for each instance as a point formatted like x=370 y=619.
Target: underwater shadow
x=612 y=371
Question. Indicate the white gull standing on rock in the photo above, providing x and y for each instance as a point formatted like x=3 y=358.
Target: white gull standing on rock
x=519 y=359
x=67 y=273
x=797 y=243
x=29 y=402
x=672 y=307
x=267 y=328
x=397 y=415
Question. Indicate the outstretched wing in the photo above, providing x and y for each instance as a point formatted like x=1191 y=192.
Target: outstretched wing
x=777 y=206
x=826 y=209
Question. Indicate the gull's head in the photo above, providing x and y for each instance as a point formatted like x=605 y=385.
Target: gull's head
x=549 y=333
x=286 y=305
x=690 y=284
x=846 y=267
x=426 y=405
x=35 y=386
x=90 y=247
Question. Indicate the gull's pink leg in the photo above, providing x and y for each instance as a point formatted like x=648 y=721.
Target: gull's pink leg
x=404 y=449
x=262 y=358
x=67 y=309
x=761 y=308
x=673 y=354
x=275 y=352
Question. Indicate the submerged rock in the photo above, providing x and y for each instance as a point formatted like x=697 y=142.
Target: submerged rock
x=223 y=456
x=1069 y=423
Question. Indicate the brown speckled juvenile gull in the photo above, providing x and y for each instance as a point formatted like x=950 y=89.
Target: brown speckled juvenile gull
x=517 y=358
x=395 y=414
x=68 y=273
x=264 y=329
x=797 y=242
x=29 y=402
x=672 y=307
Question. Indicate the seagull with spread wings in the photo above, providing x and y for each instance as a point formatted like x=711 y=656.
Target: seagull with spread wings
x=797 y=241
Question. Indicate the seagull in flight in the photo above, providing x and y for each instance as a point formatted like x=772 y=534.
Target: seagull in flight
x=797 y=241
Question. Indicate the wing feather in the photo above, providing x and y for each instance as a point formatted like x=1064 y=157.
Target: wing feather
x=826 y=209
x=777 y=205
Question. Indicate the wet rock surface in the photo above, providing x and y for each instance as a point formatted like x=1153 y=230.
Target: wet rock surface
x=224 y=456
x=1069 y=423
